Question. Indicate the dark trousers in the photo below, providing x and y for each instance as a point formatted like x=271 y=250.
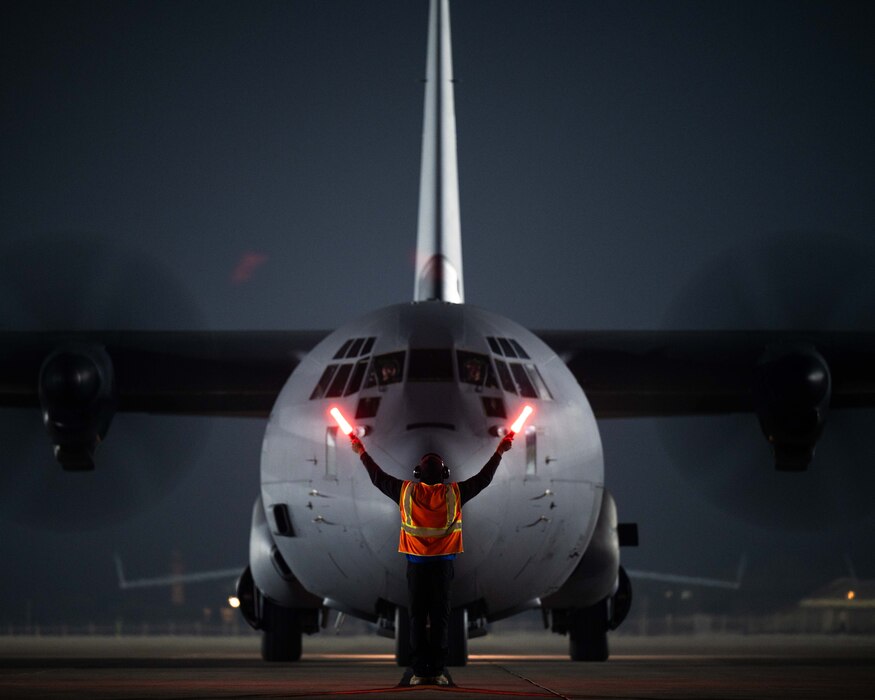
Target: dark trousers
x=429 y=587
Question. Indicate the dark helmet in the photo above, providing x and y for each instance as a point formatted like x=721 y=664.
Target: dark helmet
x=431 y=468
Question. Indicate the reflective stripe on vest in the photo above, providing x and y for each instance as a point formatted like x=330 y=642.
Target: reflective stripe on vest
x=431 y=519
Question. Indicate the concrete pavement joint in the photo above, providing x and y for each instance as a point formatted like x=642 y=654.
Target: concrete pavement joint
x=529 y=680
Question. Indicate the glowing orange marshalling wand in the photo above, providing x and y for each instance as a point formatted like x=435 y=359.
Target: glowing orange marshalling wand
x=521 y=420
x=341 y=421
x=518 y=424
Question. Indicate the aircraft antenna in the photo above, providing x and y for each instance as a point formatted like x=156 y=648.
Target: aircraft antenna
x=439 y=234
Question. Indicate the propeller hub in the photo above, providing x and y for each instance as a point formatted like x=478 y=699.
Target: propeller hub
x=77 y=394
x=792 y=389
x=69 y=379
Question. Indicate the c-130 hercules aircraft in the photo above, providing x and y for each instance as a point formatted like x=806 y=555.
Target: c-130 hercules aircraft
x=436 y=375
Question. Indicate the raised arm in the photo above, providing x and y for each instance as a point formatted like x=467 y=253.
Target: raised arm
x=471 y=487
x=387 y=483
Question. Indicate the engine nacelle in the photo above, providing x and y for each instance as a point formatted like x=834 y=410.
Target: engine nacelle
x=78 y=398
x=792 y=389
x=270 y=577
x=595 y=577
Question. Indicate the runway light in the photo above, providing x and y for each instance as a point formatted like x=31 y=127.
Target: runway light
x=234 y=601
x=851 y=595
x=341 y=421
x=521 y=419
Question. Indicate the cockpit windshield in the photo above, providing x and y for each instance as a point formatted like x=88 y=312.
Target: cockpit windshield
x=430 y=365
x=475 y=368
x=386 y=369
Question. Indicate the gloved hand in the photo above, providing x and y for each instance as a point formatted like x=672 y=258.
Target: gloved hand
x=505 y=444
x=357 y=445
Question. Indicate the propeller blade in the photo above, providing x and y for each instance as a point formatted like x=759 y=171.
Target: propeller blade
x=796 y=280
x=87 y=282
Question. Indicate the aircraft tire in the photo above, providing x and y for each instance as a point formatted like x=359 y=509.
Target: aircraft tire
x=458 y=638
x=402 y=637
x=281 y=635
x=588 y=633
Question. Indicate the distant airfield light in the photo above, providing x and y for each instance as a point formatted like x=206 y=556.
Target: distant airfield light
x=234 y=601
x=521 y=419
x=341 y=421
x=851 y=595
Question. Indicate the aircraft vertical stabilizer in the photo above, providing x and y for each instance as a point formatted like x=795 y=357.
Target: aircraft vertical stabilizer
x=439 y=235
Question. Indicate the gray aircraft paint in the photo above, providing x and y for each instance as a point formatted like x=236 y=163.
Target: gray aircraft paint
x=439 y=234
x=524 y=536
x=577 y=55
x=520 y=544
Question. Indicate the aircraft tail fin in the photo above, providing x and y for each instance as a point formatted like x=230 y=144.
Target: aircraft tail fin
x=439 y=235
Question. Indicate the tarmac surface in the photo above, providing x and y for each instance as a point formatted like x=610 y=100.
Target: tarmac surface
x=520 y=665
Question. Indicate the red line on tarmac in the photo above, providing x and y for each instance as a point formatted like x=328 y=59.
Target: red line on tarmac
x=68 y=685
x=488 y=691
x=412 y=689
x=472 y=658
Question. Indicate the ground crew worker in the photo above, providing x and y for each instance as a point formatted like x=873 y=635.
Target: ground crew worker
x=431 y=537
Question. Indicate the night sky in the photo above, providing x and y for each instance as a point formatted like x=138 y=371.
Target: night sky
x=623 y=165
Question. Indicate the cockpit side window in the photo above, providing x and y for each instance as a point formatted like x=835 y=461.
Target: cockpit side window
x=355 y=347
x=322 y=384
x=516 y=377
x=339 y=381
x=523 y=381
x=538 y=381
x=357 y=375
x=504 y=375
x=519 y=349
x=367 y=407
x=494 y=346
x=334 y=377
x=386 y=369
x=494 y=407
x=475 y=368
x=343 y=348
x=507 y=347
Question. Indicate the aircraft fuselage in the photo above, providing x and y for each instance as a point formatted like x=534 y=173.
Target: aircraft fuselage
x=435 y=377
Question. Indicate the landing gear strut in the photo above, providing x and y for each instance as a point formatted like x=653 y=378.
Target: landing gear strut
x=588 y=632
x=402 y=637
x=281 y=633
x=458 y=629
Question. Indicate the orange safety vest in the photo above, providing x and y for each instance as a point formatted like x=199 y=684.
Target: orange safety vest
x=431 y=519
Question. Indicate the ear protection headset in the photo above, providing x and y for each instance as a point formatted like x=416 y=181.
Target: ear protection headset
x=431 y=457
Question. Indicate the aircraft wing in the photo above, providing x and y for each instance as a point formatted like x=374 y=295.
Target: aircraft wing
x=224 y=373
x=790 y=379
x=625 y=374
x=628 y=374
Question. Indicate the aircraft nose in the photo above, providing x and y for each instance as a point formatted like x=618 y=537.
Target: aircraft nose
x=460 y=453
x=407 y=448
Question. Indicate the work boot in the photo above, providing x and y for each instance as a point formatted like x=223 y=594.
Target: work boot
x=442 y=680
